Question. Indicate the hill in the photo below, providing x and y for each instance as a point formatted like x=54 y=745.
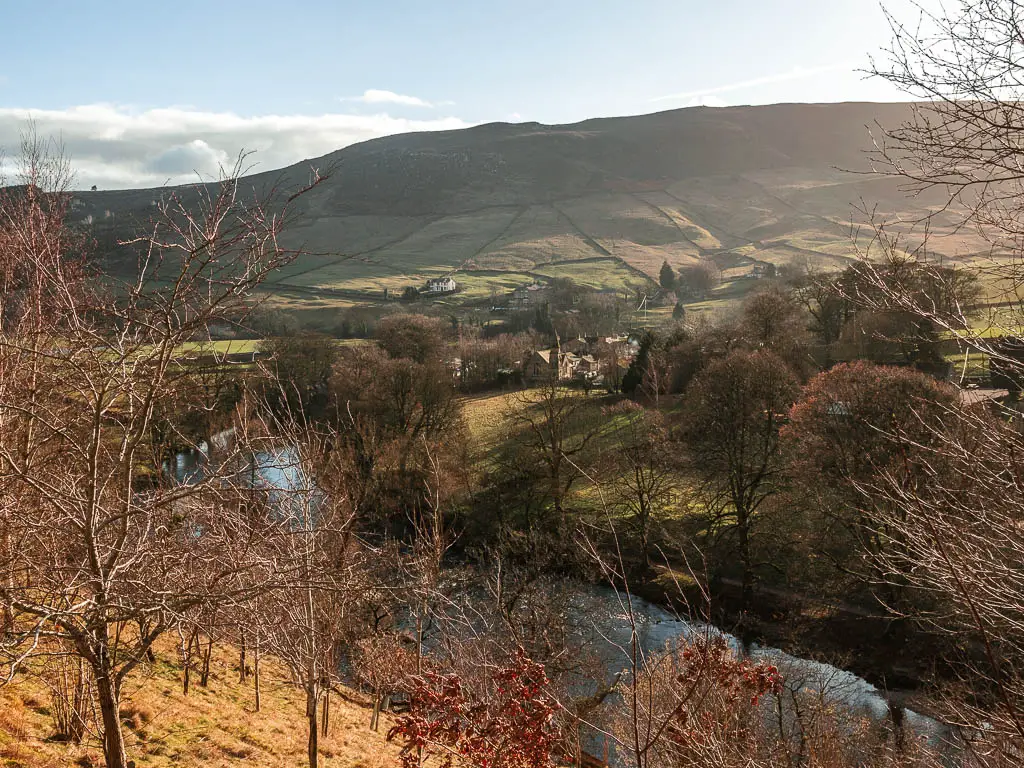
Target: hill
x=604 y=201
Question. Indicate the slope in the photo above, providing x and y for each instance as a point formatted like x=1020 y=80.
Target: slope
x=494 y=203
x=214 y=727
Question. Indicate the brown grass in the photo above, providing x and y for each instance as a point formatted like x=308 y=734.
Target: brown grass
x=212 y=727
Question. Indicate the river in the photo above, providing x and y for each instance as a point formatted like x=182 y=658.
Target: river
x=608 y=614
x=604 y=616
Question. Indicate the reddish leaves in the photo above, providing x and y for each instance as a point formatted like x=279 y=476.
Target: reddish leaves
x=719 y=688
x=505 y=720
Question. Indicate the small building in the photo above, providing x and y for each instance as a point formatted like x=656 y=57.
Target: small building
x=551 y=364
x=988 y=397
x=445 y=284
x=526 y=296
x=762 y=270
x=581 y=345
x=588 y=366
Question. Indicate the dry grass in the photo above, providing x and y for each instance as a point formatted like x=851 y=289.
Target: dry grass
x=213 y=727
x=485 y=417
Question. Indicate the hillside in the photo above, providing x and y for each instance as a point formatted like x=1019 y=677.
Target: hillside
x=604 y=201
x=215 y=727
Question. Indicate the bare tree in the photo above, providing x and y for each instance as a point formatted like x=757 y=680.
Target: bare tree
x=103 y=550
x=734 y=409
x=959 y=150
x=304 y=620
x=647 y=483
x=553 y=429
x=958 y=525
x=959 y=521
x=386 y=665
x=696 y=702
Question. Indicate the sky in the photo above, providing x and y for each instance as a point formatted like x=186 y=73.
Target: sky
x=152 y=93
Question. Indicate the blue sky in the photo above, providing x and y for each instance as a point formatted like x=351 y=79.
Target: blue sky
x=147 y=92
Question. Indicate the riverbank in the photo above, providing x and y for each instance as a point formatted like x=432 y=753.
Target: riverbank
x=888 y=652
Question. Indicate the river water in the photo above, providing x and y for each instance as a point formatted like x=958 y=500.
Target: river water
x=608 y=613
x=604 y=615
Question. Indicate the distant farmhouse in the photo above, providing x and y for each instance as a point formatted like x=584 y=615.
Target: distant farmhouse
x=590 y=359
x=551 y=364
x=441 y=285
x=760 y=271
x=526 y=296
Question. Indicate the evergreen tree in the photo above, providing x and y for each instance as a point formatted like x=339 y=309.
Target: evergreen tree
x=634 y=375
x=667 y=277
x=678 y=311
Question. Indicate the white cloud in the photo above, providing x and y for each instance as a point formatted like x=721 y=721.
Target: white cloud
x=375 y=96
x=116 y=147
x=186 y=158
x=798 y=73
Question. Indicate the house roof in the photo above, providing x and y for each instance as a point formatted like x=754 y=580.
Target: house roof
x=545 y=355
x=837 y=408
x=978 y=395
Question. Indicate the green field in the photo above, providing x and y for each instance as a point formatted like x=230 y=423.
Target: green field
x=242 y=346
x=490 y=428
x=220 y=347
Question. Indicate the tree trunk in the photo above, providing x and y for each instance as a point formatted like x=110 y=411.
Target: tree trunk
x=556 y=499
x=256 y=672
x=325 y=720
x=419 y=644
x=7 y=611
x=241 y=658
x=375 y=714
x=312 y=725
x=6 y=620
x=743 y=526
x=186 y=655
x=204 y=678
x=110 y=710
x=898 y=715
x=645 y=532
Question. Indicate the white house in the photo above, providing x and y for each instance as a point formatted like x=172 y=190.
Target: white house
x=441 y=285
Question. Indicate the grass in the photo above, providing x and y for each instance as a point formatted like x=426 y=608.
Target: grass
x=595 y=273
x=244 y=346
x=484 y=416
x=599 y=237
x=592 y=494
x=479 y=285
x=220 y=347
x=213 y=727
x=488 y=431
